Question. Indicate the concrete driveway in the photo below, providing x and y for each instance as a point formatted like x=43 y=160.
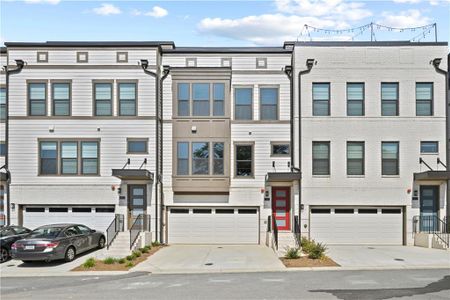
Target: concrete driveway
x=211 y=258
x=385 y=257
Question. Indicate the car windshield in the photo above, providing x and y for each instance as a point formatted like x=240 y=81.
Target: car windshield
x=6 y=232
x=45 y=232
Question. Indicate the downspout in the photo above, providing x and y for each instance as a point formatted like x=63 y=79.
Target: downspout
x=289 y=72
x=309 y=65
x=19 y=66
x=166 y=71
x=144 y=65
x=436 y=62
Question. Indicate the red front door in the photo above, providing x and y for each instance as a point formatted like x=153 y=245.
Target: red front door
x=281 y=207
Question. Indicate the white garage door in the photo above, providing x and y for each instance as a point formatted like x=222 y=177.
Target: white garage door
x=358 y=225
x=97 y=218
x=213 y=226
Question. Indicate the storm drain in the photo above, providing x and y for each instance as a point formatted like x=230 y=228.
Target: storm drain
x=208 y=264
x=399 y=259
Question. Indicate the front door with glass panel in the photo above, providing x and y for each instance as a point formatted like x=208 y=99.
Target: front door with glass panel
x=429 y=206
x=137 y=202
x=281 y=207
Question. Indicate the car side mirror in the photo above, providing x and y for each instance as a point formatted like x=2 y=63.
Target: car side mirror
x=92 y=230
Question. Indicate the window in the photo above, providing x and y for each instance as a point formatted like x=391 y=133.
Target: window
x=137 y=146
x=367 y=211
x=269 y=103
x=391 y=211
x=389 y=99
x=390 y=158
x=35 y=209
x=58 y=209
x=261 y=63
x=355 y=99
x=89 y=158
x=224 y=211
x=243 y=98
x=48 y=154
x=321 y=158
x=61 y=99
x=127 y=99
x=320 y=210
x=344 y=211
x=429 y=147
x=2 y=104
x=200 y=99
x=201 y=211
x=42 y=57
x=355 y=158
x=104 y=209
x=248 y=211
x=69 y=158
x=122 y=57
x=182 y=158
x=191 y=62
x=37 y=99
x=179 y=211
x=226 y=62
x=200 y=158
x=103 y=99
x=83 y=229
x=219 y=99
x=82 y=57
x=2 y=148
x=280 y=149
x=81 y=209
x=183 y=99
x=244 y=160
x=218 y=162
x=424 y=99
x=321 y=99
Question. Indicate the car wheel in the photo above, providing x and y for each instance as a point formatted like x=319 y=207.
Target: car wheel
x=70 y=254
x=101 y=242
x=4 y=255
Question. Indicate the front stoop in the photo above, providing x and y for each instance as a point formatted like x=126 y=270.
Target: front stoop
x=429 y=240
x=286 y=240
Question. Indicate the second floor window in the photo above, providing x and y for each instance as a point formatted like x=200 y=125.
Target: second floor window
x=389 y=99
x=205 y=158
x=37 y=99
x=243 y=98
x=218 y=159
x=48 y=153
x=268 y=103
x=183 y=158
x=390 y=158
x=355 y=99
x=321 y=158
x=429 y=147
x=244 y=161
x=355 y=158
x=200 y=158
x=69 y=158
x=103 y=99
x=127 y=99
x=2 y=104
x=61 y=99
x=321 y=99
x=424 y=99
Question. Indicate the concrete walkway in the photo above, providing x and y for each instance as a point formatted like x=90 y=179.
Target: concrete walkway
x=388 y=257
x=211 y=258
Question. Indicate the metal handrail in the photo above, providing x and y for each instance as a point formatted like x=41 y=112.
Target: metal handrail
x=140 y=224
x=433 y=225
x=272 y=227
x=113 y=229
x=297 y=230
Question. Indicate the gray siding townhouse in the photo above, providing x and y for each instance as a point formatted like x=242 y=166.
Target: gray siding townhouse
x=344 y=142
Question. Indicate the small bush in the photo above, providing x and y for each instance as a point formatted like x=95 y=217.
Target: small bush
x=109 y=260
x=144 y=250
x=130 y=257
x=129 y=264
x=148 y=247
x=136 y=254
x=307 y=245
x=121 y=260
x=141 y=249
x=155 y=244
x=89 y=263
x=292 y=253
x=318 y=251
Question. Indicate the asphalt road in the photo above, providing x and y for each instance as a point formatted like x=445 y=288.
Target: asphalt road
x=386 y=284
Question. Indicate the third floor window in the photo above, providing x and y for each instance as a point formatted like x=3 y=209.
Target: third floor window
x=202 y=99
x=103 y=95
x=61 y=98
x=37 y=99
x=424 y=99
x=355 y=99
x=321 y=99
x=389 y=99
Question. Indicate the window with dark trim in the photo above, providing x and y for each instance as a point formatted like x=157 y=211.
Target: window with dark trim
x=344 y=211
x=179 y=211
x=218 y=99
x=35 y=209
x=391 y=211
x=182 y=158
x=220 y=211
x=200 y=158
x=321 y=158
x=201 y=99
x=58 y=209
x=2 y=104
x=218 y=158
x=355 y=158
x=137 y=146
x=48 y=153
x=320 y=210
x=104 y=209
x=321 y=99
x=244 y=161
x=268 y=99
x=389 y=98
x=183 y=99
x=81 y=209
x=202 y=211
x=89 y=158
x=424 y=98
x=69 y=158
x=127 y=98
x=243 y=99
x=247 y=211
x=103 y=94
x=390 y=158
x=37 y=98
x=429 y=147
x=2 y=148
x=61 y=98
x=355 y=99
x=280 y=149
x=367 y=211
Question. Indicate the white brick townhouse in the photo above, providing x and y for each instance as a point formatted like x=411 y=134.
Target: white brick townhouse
x=213 y=142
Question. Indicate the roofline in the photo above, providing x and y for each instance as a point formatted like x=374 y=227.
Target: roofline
x=90 y=44
x=249 y=50
x=362 y=43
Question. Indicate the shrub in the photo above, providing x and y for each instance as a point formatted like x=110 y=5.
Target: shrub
x=129 y=264
x=136 y=254
x=292 y=253
x=155 y=244
x=121 y=260
x=109 y=260
x=318 y=251
x=144 y=250
x=307 y=245
x=89 y=263
x=141 y=249
x=130 y=257
x=148 y=247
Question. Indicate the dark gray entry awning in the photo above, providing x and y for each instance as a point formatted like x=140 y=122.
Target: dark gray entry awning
x=133 y=174
x=283 y=176
x=432 y=175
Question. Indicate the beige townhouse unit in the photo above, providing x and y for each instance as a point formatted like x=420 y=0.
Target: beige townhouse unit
x=342 y=142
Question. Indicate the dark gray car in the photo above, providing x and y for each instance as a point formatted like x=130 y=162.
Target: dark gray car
x=57 y=241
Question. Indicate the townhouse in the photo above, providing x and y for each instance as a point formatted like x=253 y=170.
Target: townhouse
x=344 y=142
x=2 y=136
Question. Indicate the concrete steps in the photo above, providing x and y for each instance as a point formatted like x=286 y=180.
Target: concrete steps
x=120 y=247
x=286 y=240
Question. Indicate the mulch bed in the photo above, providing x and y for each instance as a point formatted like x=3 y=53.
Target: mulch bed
x=101 y=266
x=306 y=262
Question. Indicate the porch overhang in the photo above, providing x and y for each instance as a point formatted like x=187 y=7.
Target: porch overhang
x=133 y=174
x=283 y=176
x=432 y=175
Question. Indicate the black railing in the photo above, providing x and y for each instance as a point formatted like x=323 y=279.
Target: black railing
x=272 y=227
x=113 y=229
x=297 y=231
x=141 y=223
x=432 y=224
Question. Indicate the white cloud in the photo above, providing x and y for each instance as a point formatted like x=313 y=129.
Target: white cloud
x=107 y=9
x=437 y=2
x=43 y=1
x=407 y=1
x=408 y=18
x=156 y=12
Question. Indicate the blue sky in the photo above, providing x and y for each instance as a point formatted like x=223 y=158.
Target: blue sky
x=216 y=23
